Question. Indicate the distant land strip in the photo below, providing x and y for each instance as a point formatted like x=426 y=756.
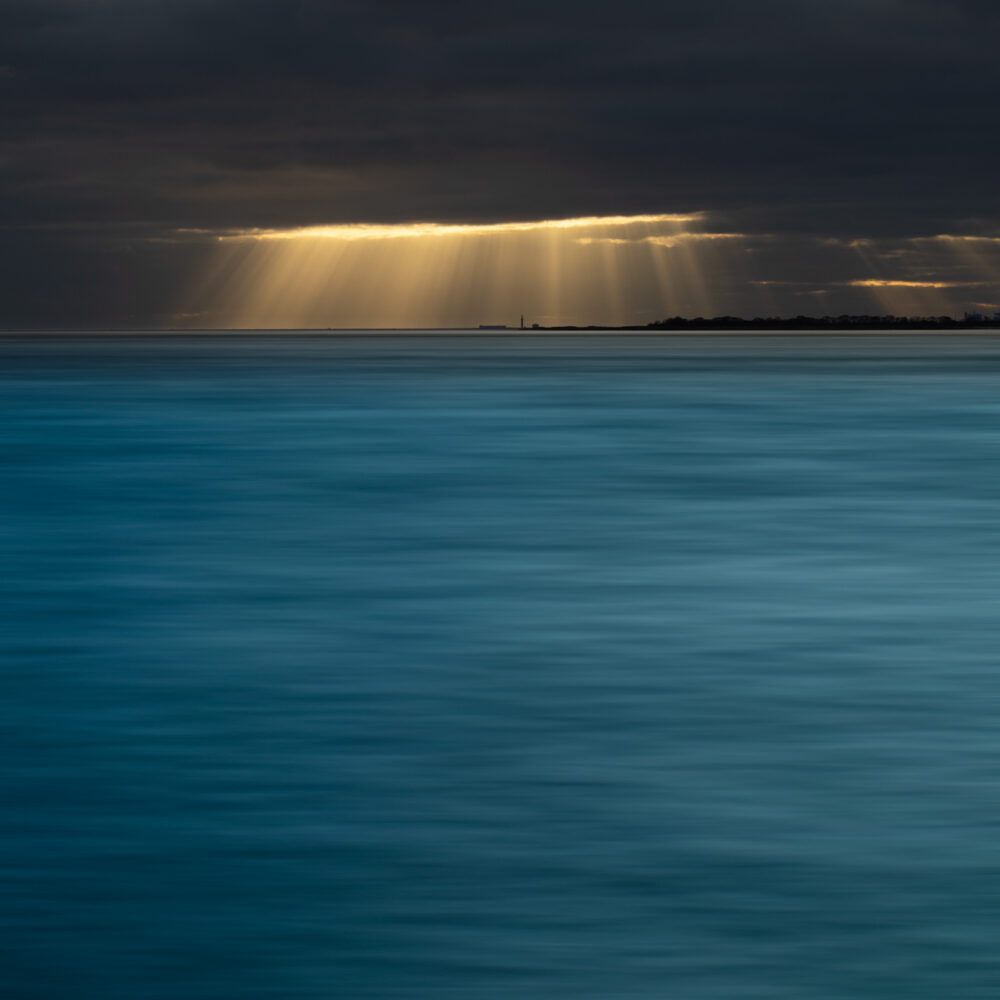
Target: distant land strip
x=800 y=323
x=846 y=322
x=794 y=324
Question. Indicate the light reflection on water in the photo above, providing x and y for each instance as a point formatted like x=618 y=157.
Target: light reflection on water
x=487 y=668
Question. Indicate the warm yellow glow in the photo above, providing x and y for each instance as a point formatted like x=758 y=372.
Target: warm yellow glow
x=908 y=298
x=948 y=237
x=602 y=270
x=886 y=283
x=365 y=231
x=922 y=293
x=976 y=256
x=662 y=241
x=673 y=241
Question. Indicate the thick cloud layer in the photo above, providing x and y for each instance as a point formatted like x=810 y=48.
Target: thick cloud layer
x=126 y=120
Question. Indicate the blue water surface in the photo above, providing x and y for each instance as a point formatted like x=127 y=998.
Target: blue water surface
x=479 y=667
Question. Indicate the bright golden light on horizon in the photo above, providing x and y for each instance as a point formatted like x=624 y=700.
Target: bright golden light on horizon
x=366 y=231
x=602 y=270
x=929 y=275
x=889 y=283
x=615 y=270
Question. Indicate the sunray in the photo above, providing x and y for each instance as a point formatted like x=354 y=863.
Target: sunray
x=604 y=270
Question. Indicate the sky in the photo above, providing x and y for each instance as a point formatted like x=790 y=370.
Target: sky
x=216 y=163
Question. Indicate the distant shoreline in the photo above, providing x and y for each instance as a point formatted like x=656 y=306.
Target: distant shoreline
x=839 y=323
x=851 y=325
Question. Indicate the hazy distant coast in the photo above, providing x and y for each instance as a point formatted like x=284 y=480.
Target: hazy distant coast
x=718 y=324
x=797 y=323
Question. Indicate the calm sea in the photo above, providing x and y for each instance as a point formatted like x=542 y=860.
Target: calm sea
x=422 y=667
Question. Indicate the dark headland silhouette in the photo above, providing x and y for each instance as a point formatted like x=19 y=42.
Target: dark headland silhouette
x=971 y=321
x=716 y=324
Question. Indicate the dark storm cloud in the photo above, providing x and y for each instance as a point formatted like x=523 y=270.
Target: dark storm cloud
x=130 y=118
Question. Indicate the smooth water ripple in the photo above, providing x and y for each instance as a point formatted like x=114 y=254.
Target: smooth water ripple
x=489 y=668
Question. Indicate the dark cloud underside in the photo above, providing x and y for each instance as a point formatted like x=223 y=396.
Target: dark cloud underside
x=127 y=119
